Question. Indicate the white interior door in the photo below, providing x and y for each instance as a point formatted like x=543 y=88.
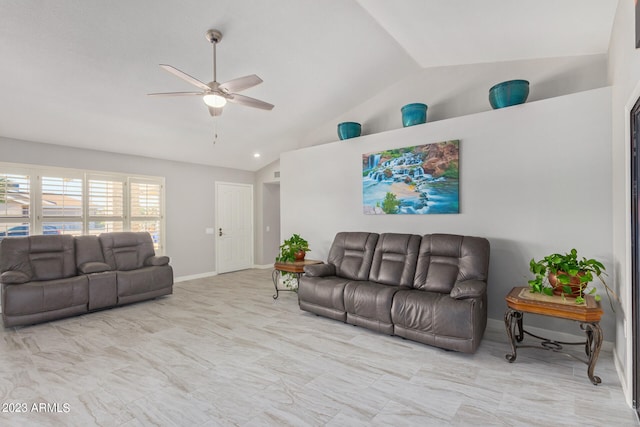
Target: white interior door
x=234 y=226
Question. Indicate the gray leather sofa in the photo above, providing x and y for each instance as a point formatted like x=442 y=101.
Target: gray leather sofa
x=54 y=276
x=431 y=289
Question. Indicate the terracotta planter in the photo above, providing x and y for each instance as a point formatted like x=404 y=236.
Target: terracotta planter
x=574 y=285
x=299 y=256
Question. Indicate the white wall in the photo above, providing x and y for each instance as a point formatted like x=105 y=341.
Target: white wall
x=267 y=211
x=189 y=193
x=624 y=76
x=271 y=223
x=532 y=176
x=460 y=90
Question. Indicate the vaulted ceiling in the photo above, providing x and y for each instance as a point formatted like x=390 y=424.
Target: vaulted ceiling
x=76 y=72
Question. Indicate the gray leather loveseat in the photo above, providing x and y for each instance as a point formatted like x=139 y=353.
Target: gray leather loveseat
x=431 y=289
x=54 y=276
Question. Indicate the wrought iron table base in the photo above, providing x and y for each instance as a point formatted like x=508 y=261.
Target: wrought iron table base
x=516 y=333
x=275 y=276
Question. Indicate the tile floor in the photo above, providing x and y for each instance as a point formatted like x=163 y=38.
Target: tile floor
x=221 y=352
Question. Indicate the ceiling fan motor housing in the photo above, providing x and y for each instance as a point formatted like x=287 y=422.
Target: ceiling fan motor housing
x=214 y=36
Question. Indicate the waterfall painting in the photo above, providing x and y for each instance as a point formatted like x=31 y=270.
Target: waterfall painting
x=412 y=180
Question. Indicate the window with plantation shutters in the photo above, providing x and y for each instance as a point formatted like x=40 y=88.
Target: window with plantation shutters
x=145 y=198
x=105 y=204
x=35 y=200
x=15 y=204
x=61 y=202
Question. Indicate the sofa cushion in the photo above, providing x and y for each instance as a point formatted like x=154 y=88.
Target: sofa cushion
x=42 y=296
x=144 y=280
x=47 y=266
x=394 y=259
x=368 y=304
x=93 y=267
x=431 y=312
x=157 y=260
x=352 y=253
x=52 y=257
x=437 y=319
x=446 y=259
x=468 y=289
x=88 y=250
x=320 y=270
x=47 y=257
x=323 y=291
x=13 y=277
x=126 y=251
x=126 y=259
x=103 y=290
x=14 y=255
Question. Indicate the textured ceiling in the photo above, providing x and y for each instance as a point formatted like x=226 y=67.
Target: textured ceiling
x=76 y=72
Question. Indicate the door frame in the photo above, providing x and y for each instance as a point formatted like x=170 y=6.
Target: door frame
x=634 y=135
x=217 y=185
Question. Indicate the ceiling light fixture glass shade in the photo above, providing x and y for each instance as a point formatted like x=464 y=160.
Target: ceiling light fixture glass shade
x=215 y=101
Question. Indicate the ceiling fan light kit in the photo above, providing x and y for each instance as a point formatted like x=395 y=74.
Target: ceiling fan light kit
x=215 y=101
x=216 y=95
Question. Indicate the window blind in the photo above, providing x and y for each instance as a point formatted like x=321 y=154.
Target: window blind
x=15 y=204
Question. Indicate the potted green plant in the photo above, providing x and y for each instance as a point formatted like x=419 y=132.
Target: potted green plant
x=568 y=275
x=291 y=250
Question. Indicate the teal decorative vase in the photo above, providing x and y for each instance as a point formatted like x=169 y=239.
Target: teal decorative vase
x=506 y=94
x=414 y=114
x=348 y=130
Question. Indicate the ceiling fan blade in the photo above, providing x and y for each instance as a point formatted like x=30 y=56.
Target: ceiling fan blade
x=249 y=102
x=215 y=112
x=176 y=93
x=184 y=76
x=241 y=83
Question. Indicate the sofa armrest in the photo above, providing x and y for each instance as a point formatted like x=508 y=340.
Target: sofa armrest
x=14 y=278
x=320 y=270
x=157 y=260
x=93 y=267
x=468 y=289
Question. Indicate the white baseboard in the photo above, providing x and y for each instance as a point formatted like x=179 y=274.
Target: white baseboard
x=628 y=394
x=213 y=273
x=263 y=266
x=498 y=325
x=194 y=276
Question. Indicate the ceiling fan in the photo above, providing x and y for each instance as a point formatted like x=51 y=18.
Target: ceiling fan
x=215 y=94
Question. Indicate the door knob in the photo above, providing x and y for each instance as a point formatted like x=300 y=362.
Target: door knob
x=220 y=232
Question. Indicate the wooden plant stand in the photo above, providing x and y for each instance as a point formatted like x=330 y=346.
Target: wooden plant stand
x=520 y=300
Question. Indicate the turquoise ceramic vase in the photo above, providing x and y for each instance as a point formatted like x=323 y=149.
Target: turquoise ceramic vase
x=506 y=94
x=414 y=114
x=348 y=130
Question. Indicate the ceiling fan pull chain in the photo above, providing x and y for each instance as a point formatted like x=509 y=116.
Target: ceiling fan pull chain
x=215 y=131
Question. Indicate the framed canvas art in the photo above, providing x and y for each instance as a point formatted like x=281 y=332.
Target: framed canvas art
x=412 y=180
